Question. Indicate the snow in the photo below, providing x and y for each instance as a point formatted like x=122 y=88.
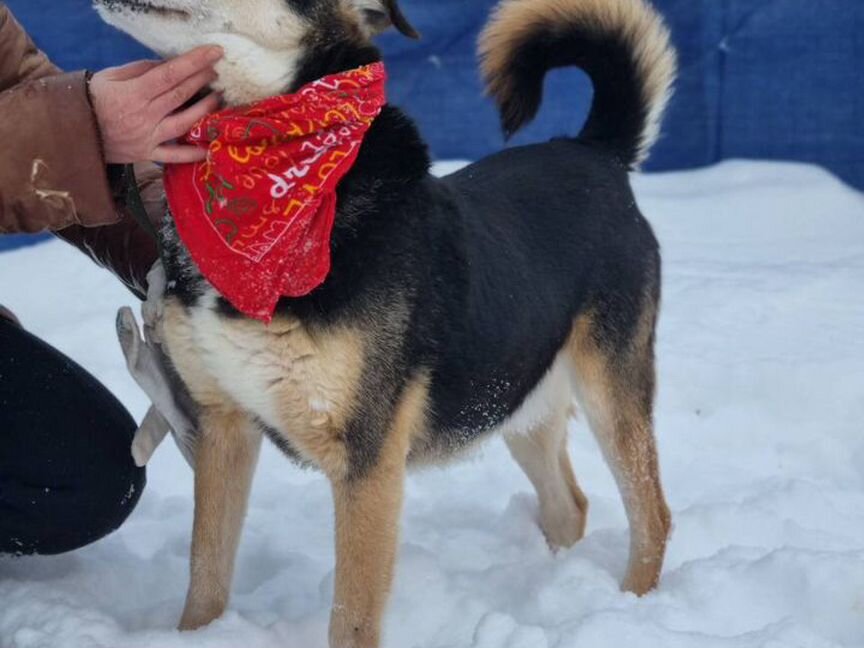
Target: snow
x=759 y=425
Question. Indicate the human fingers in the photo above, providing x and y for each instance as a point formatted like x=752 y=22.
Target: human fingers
x=181 y=93
x=182 y=122
x=178 y=154
x=169 y=74
x=131 y=70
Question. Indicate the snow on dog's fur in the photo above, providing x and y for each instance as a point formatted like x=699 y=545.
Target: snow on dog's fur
x=459 y=307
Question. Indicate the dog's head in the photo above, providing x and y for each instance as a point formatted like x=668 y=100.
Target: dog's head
x=265 y=41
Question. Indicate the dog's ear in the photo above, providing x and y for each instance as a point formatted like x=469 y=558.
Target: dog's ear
x=380 y=15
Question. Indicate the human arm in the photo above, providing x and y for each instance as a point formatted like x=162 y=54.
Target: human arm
x=61 y=134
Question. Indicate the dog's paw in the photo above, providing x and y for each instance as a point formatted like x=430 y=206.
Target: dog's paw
x=202 y=613
x=563 y=531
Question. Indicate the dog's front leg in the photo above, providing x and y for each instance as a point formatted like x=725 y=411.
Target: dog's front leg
x=368 y=504
x=225 y=457
x=367 y=530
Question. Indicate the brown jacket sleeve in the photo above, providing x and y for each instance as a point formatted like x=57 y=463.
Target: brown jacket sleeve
x=52 y=171
x=126 y=249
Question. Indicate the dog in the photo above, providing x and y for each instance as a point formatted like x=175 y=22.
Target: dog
x=484 y=302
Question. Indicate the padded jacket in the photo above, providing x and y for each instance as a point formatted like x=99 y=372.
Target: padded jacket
x=53 y=175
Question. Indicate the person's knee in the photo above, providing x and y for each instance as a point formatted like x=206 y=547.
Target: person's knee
x=106 y=489
x=46 y=520
x=67 y=477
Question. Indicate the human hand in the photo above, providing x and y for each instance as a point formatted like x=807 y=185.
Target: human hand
x=135 y=107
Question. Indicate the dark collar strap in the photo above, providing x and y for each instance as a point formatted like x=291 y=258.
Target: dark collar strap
x=133 y=202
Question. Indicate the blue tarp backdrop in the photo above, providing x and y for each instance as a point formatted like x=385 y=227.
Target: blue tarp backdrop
x=776 y=79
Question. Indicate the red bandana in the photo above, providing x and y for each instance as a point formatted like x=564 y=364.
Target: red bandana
x=257 y=214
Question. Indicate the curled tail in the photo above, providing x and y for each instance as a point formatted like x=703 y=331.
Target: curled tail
x=623 y=46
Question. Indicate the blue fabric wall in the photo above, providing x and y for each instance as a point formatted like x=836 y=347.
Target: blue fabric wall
x=773 y=79
x=776 y=79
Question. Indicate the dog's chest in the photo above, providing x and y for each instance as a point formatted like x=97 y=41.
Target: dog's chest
x=299 y=383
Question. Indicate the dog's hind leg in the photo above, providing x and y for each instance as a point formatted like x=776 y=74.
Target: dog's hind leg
x=542 y=454
x=225 y=457
x=615 y=386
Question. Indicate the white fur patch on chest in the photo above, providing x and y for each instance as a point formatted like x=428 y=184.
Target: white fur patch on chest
x=293 y=381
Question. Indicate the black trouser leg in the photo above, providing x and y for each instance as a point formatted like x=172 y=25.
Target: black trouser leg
x=67 y=477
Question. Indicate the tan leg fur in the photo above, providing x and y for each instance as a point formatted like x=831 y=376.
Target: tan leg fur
x=226 y=454
x=367 y=530
x=542 y=454
x=616 y=391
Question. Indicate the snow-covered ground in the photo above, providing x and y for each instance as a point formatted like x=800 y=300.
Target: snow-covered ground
x=759 y=420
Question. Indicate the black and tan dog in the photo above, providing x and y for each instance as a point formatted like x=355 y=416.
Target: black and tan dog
x=456 y=308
